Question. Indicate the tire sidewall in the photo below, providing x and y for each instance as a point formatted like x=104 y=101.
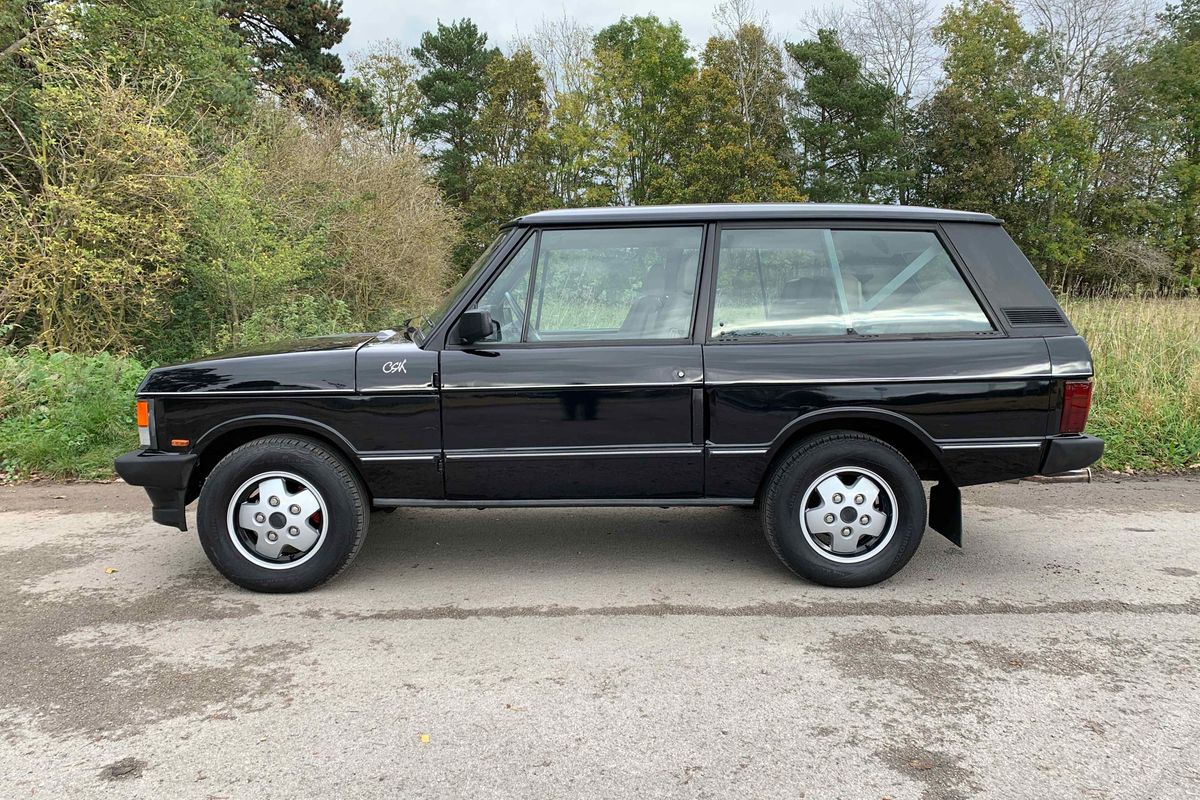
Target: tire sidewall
x=786 y=494
x=343 y=526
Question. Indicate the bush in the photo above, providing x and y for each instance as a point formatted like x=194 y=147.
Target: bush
x=65 y=415
x=386 y=233
x=306 y=209
x=292 y=319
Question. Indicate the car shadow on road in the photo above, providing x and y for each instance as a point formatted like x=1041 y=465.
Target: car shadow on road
x=497 y=544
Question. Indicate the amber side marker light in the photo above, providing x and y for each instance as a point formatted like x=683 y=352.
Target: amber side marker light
x=180 y=442
x=143 y=422
x=1077 y=401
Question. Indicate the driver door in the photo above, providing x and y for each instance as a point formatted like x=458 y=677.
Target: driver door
x=585 y=391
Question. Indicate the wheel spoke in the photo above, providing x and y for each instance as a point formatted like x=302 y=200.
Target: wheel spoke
x=246 y=517
x=307 y=501
x=814 y=518
x=828 y=488
x=878 y=521
x=844 y=544
x=272 y=487
x=306 y=537
x=266 y=548
x=865 y=487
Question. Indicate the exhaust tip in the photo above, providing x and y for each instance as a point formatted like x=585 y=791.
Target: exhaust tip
x=1072 y=476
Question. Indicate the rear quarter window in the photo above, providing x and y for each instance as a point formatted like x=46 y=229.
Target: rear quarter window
x=780 y=282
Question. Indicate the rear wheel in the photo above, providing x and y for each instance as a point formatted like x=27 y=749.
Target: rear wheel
x=281 y=514
x=844 y=509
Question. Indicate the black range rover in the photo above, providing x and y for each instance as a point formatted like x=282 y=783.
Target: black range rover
x=816 y=361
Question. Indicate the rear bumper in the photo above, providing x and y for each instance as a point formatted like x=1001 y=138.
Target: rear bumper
x=165 y=478
x=1067 y=453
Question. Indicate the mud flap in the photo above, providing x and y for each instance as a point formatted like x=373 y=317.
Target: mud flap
x=945 y=511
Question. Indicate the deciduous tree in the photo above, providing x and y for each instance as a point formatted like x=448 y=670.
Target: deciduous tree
x=641 y=63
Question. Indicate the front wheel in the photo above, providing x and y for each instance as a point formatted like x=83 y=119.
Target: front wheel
x=844 y=509
x=281 y=514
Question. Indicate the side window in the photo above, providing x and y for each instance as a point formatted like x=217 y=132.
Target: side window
x=820 y=282
x=614 y=284
x=508 y=296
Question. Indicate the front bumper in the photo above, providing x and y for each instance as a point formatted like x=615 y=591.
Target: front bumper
x=1067 y=453
x=165 y=477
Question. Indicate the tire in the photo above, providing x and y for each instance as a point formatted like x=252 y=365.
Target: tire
x=304 y=549
x=839 y=548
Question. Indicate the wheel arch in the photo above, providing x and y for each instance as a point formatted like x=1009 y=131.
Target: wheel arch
x=895 y=429
x=222 y=439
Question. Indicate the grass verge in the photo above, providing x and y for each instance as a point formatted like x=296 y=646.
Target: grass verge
x=65 y=415
x=1146 y=404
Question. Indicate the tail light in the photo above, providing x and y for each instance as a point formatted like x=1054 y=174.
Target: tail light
x=143 y=422
x=1077 y=401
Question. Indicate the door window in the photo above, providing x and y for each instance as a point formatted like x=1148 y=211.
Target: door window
x=613 y=284
x=820 y=282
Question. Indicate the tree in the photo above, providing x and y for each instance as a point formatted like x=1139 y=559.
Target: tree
x=1081 y=36
x=291 y=42
x=848 y=151
x=387 y=74
x=455 y=58
x=109 y=110
x=507 y=138
x=572 y=151
x=139 y=38
x=744 y=52
x=714 y=156
x=641 y=63
x=1173 y=72
x=996 y=143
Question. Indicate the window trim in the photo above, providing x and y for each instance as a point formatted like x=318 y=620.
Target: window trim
x=705 y=239
x=439 y=337
x=848 y=225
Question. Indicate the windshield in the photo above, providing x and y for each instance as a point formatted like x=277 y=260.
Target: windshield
x=423 y=325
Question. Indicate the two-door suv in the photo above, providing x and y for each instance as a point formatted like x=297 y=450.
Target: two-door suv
x=816 y=361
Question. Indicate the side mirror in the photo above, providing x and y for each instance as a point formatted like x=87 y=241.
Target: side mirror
x=474 y=325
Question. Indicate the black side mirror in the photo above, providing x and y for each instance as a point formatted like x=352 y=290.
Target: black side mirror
x=474 y=325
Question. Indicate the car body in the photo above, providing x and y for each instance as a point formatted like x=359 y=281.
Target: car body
x=664 y=356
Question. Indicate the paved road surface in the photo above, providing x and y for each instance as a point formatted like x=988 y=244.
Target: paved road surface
x=607 y=653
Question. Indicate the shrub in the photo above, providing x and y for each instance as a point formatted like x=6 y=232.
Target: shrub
x=387 y=234
x=65 y=415
x=292 y=319
x=88 y=246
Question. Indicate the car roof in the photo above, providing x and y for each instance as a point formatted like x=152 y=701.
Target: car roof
x=716 y=212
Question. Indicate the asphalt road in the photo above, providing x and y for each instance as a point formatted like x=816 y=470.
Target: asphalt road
x=607 y=653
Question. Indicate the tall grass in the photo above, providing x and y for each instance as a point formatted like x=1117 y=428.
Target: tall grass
x=1146 y=404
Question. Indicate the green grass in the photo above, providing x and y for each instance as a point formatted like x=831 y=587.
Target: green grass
x=1146 y=404
x=64 y=415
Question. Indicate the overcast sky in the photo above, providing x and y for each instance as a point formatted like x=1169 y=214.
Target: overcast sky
x=406 y=21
